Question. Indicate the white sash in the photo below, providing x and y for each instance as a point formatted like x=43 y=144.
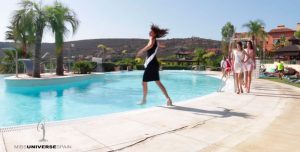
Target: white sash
x=150 y=58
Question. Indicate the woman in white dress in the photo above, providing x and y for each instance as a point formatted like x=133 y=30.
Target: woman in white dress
x=238 y=59
x=249 y=64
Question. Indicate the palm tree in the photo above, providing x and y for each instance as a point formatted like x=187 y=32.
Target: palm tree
x=256 y=32
x=8 y=61
x=21 y=29
x=104 y=51
x=124 y=53
x=32 y=18
x=227 y=32
x=58 y=17
x=198 y=55
x=102 y=48
x=297 y=34
x=209 y=58
x=283 y=41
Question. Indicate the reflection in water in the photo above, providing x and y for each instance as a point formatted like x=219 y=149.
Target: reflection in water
x=36 y=90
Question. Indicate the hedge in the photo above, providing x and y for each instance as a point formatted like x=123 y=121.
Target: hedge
x=176 y=67
x=84 y=67
x=140 y=67
x=107 y=67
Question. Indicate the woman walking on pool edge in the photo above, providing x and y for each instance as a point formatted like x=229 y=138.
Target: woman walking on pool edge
x=151 y=65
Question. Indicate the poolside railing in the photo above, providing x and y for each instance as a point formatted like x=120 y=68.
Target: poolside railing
x=271 y=61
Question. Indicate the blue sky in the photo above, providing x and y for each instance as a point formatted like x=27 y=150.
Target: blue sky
x=184 y=18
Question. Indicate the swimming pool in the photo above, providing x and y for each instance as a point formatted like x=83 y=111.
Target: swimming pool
x=110 y=93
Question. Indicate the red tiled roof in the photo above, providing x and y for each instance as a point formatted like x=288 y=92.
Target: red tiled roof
x=284 y=29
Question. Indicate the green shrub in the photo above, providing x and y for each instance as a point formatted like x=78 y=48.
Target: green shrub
x=176 y=67
x=84 y=67
x=108 y=66
x=140 y=67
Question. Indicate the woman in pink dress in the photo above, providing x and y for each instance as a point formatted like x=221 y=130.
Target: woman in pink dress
x=249 y=64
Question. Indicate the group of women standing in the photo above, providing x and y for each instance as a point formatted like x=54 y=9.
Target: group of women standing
x=243 y=64
x=243 y=61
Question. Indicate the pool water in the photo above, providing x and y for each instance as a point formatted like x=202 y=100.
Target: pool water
x=111 y=93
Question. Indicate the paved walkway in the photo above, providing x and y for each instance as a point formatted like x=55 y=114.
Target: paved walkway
x=268 y=119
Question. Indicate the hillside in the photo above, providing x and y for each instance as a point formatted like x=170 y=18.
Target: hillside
x=89 y=47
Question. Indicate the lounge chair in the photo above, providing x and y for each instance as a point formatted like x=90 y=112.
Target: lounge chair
x=292 y=75
x=28 y=66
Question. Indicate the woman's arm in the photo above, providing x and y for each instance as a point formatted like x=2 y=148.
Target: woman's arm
x=232 y=62
x=146 y=48
x=246 y=54
x=230 y=51
x=254 y=54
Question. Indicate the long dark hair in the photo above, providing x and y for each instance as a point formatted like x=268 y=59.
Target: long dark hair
x=158 y=31
x=240 y=44
x=251 y=45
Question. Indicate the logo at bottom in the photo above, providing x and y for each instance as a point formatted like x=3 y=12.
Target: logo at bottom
x=41 y=127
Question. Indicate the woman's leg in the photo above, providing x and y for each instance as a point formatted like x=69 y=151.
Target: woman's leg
x=236 y=77
x=145 y=90
x=246 y=79
x=228 y=73
x=249 y=80
x=241 y=78
x=163 y=89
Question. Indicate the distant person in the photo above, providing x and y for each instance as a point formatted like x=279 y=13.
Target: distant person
x=151 y=65
x=228 y=67
x=249 y=65
x=223 y=65
x=280 y=69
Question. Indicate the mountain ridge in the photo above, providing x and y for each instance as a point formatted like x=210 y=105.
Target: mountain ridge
x=88 y=47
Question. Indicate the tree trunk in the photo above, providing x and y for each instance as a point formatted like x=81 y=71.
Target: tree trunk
x=24 y=49
x=37 y=53
x=254 y=40
x=59 y=61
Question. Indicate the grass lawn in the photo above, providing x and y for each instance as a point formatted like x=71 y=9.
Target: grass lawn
x=275 y=79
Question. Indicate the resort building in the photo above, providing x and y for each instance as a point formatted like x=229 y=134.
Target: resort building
x=275 y=35
x=182 y=57
x=290 y=52
x=273 y=38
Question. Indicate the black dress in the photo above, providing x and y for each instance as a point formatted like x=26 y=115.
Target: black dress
x=151 y=71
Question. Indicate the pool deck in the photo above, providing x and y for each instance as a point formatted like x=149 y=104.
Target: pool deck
x=268 y=119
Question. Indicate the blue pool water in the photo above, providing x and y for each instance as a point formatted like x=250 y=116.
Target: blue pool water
x=112 y=92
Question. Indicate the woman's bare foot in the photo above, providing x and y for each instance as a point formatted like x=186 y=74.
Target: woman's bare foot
x=142 y=102
x=242 y=90
x=169 y=102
